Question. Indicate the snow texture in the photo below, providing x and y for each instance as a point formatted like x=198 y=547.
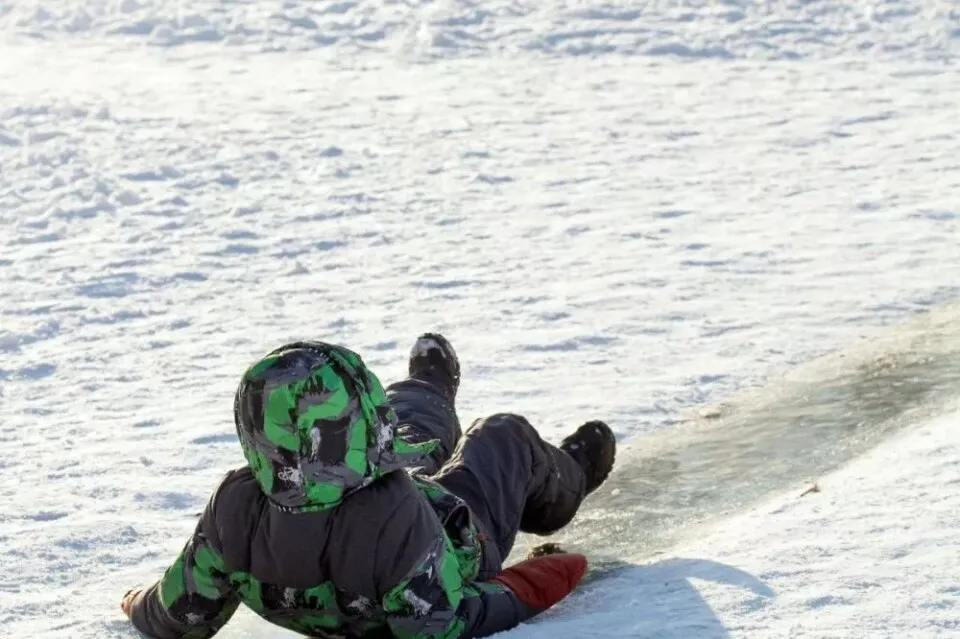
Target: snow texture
x=614 y=210
x=732 y=29
x=872 y=554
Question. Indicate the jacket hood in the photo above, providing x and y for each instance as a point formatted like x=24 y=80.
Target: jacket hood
x=315 y=426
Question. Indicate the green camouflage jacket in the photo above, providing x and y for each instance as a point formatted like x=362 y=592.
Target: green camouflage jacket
x=325 y=532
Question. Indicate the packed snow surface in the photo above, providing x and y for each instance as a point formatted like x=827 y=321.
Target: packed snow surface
x=872 y=554
x=615 y=210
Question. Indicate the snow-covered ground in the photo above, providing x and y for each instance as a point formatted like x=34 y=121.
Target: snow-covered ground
x=621 y=210
x=873 y=554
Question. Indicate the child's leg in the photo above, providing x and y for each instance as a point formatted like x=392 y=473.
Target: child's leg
x=513 y=480
x=426 y=412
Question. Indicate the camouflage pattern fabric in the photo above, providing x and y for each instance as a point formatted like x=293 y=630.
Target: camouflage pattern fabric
x=315 y=426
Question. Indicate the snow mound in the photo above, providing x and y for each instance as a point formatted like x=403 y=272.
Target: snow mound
x=779 y=29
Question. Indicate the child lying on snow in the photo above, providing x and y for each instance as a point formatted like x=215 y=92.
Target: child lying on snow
x=325 y=533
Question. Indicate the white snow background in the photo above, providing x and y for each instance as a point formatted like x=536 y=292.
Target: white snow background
x=614 y=210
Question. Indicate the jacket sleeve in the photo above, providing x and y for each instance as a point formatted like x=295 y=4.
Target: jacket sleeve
x=193 y=599
x=424 y=594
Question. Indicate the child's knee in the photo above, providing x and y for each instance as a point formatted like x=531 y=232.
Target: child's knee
x=509 y=425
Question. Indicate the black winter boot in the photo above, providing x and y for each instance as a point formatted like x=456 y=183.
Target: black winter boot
x=594 y=447
x=433 y=360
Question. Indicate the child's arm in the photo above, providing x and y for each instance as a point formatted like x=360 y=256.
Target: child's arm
x=434 y=602
x=431 y=601
x=193 y=599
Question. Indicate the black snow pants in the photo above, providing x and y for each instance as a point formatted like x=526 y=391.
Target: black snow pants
x=511 y=479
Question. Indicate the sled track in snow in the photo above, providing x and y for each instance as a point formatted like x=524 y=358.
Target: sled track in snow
x=785 y=434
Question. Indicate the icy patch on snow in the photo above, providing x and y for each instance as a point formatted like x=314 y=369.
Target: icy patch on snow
x=729 y=456
x=872 y=553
